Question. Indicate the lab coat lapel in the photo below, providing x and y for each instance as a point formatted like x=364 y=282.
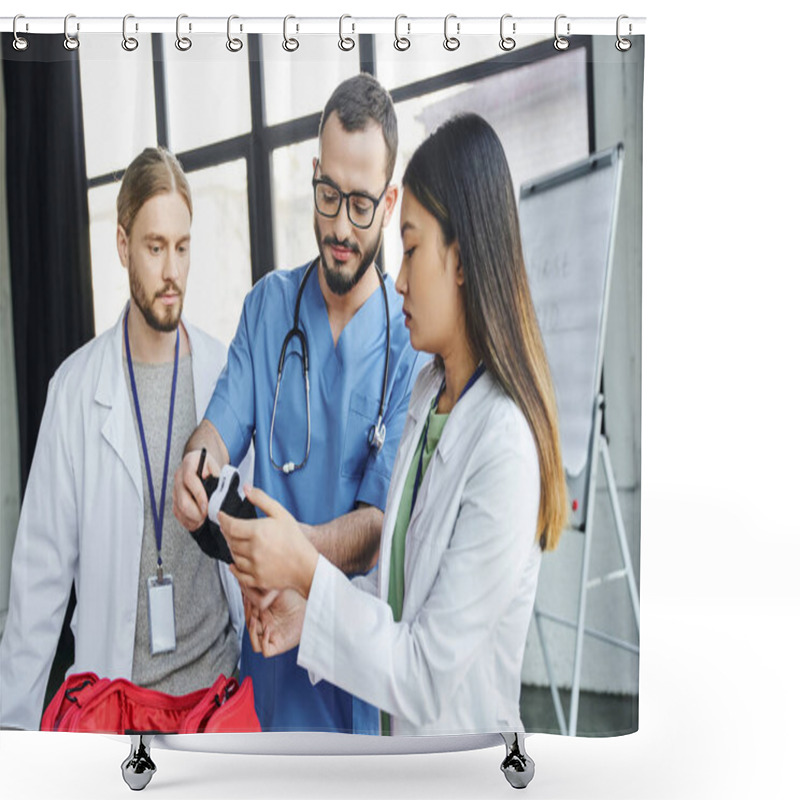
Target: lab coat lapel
x=450 y=435
x=438 y=478
x=417 y=414
x=112 y=393
x=405 y=452
x=205 y=372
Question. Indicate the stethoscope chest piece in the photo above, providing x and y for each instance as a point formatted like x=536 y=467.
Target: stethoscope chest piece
x=377 y=435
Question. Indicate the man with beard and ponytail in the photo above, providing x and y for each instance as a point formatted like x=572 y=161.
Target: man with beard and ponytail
x=150 y=606
x=326 y=436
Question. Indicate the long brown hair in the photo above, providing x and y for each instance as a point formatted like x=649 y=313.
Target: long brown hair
x=154 y=171
x=461 y=176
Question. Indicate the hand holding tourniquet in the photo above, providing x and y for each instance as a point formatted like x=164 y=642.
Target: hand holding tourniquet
x=270 y=552
x=224 y=494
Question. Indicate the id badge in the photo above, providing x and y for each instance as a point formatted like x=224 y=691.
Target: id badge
x=161 y=611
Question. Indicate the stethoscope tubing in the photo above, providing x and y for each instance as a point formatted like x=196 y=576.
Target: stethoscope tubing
x=377 y=434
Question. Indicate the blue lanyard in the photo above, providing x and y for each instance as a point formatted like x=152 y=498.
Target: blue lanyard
x=158 y=518
x=418 y=480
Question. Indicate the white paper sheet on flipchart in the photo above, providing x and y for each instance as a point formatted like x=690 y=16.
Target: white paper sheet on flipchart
x=566 y=231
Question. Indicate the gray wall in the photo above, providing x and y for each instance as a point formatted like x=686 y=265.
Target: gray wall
x=618 y=79
x=9 y=441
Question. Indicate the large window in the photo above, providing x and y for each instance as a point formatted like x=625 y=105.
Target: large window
x=196 y=103
x=244 y=126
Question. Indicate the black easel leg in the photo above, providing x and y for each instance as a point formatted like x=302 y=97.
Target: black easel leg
x=518 y=766
x=138 y=768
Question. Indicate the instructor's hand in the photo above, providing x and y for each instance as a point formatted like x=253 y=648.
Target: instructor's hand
x=189 y=501
x=270 y=552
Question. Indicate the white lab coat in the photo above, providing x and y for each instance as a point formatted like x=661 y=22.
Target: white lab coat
x=83 y=518
x=453 y=663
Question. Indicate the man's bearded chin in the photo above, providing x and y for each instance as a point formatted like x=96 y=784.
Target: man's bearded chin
x=338 y=281
x=165 y=324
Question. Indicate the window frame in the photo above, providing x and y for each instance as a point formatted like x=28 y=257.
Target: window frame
x=257 y=145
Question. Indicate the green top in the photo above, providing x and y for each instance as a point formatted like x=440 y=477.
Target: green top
x=397 y=557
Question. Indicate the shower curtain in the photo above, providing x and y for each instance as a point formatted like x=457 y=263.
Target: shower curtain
x=241 y=112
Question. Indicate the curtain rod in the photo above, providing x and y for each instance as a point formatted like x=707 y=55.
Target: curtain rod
x=347 y=25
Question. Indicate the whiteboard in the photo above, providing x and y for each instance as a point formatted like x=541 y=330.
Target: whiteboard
x=567 y=222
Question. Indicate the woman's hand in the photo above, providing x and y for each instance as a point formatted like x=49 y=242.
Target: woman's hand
x=274 y=620
x=270 y=552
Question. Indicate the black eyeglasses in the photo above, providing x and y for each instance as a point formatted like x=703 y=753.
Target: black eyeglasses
x=361 y=207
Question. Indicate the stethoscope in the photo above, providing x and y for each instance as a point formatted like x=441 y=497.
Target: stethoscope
x=377 y=433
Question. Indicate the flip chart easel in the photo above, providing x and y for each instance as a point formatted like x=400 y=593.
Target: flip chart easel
x=568 y=224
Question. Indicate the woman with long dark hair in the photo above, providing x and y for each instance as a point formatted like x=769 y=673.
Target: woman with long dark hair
x=435 y=635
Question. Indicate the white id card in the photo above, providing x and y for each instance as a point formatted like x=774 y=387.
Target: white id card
x=161 y=611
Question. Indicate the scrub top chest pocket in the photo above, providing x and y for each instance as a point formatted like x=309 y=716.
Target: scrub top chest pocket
x=361 y=416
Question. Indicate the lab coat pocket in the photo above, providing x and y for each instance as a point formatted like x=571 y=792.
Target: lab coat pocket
x=361 y=417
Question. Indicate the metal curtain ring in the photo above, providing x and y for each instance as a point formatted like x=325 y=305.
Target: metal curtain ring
x=71 y=42
x=451 y=42
x=560 y=42
x=183 y=43
x=20 y=42
x=623 y=44
x=129 y=43
x=345 y=42
x=290 y=44
x=507 y=42
x=234 y=45
x=401 y=43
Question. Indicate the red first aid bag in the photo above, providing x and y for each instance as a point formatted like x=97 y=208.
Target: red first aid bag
x=87 y=703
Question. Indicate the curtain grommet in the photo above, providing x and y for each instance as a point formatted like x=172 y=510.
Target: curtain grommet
x=289 y=44
x=346 y=43
x=233 y=44
x=507 y=43
x=622 y=44
x=71 y=42
x=401 y=43
x=560 y=42
x=129 y=43
x=451 y=43
x=20 y=43
x=183 y=43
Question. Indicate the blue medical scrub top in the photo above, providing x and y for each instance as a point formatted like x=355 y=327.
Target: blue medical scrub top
x=342 y=469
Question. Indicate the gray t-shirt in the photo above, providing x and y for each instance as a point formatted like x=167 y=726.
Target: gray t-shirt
x=206 y=640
